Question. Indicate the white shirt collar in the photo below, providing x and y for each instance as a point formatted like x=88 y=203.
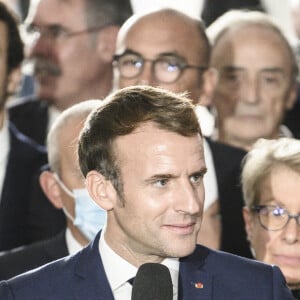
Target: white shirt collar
x=5 y=147
x=284 y=131
x=53 y=113
x=210 y=178
x=119 y=271
x=72 y=244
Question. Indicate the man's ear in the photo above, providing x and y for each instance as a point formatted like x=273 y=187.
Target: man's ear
x=248 y=222
x=101 y=190
x=51 y=188
x=210 y=78
x=107 y=42
x=13 y=81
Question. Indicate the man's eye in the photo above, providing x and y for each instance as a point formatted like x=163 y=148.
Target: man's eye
x=161 y=182
x=278 y=211
x=131 y=62
x=196 y=178
x=56 y=31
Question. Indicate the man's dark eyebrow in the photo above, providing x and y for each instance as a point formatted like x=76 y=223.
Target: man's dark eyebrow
x=163 y=54
x=273 y=70
x=232 y=69
x=129 y=51
x=160 y=176
x=173 y=53
x=200 y=172
x=237 y=69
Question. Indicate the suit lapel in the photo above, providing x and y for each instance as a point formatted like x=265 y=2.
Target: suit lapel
x=92 y=283
x=194 y=281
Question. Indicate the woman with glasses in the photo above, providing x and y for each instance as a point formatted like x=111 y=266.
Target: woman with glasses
x=271 y=188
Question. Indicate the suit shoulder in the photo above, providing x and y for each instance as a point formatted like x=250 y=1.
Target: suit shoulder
x=28 y=107
x=25 y=141
x=237 y=266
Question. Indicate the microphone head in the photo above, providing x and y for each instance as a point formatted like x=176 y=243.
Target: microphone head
x=152 y=282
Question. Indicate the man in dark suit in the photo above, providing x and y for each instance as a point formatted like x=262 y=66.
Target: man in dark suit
x=147 y=43
x=141 y=153
x=20 y=157
x=64 y=175
x=70 y=44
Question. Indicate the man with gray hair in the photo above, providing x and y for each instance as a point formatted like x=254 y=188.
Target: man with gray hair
x=70 y=47
x=257 y=78
x=64 y=186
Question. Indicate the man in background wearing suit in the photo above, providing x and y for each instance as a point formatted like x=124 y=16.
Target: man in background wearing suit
x=64 y=187
x=20 y=157
x=141 y=153
x=170 y=49
x=70 y=47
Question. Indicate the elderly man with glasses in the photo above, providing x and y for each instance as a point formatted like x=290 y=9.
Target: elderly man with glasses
x=271 y=186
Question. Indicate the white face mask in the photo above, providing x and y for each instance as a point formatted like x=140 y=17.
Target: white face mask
x=89 y=217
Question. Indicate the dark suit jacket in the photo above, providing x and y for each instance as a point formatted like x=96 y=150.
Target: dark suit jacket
x=81 y=276
x=31 y=118
x=227 y=161
x=25 y=158
x=25 y=258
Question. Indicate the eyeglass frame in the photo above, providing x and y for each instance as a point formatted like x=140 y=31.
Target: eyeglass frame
x=57 y=32
x=258 y=208
x=182 y=65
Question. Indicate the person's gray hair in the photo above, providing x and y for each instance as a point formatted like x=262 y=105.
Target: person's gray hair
x=107 y=12
x=244 y=18
x=75 y=114
x=262 y=159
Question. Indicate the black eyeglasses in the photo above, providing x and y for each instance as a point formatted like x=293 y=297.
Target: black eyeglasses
x=165 y=69
x=54 y=32
x=273 y=217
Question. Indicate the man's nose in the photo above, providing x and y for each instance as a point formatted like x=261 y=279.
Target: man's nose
x=250 y=91
x=189 y=199
x=41 y=46
x=147 y=77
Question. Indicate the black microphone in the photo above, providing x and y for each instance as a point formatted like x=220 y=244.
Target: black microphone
x=152 y=282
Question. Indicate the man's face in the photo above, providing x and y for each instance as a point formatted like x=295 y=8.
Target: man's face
x=71 y=68
x=163 y=195
x=282 y=247
x=254 y=88
x=157 y=36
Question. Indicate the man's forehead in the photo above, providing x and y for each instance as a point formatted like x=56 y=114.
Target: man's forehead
x=146 y=38
x=263 y=42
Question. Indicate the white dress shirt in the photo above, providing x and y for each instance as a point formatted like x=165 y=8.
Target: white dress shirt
x=5 y=146
x=119 y=271
x=210 y=178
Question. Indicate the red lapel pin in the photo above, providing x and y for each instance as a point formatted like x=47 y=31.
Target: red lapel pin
x=199 y=285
